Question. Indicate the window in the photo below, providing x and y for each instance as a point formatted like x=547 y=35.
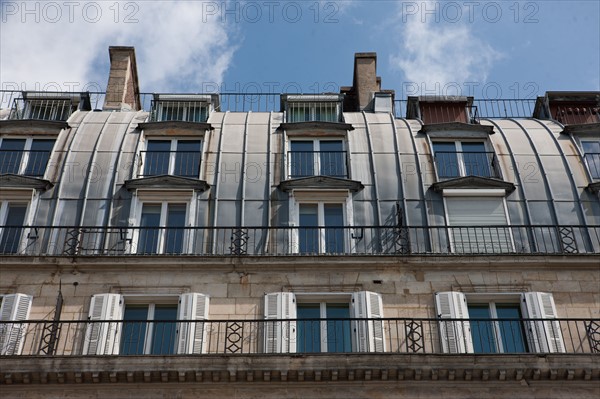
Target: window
x=49 y=109
x=317 y=111
x=321 y=228
x=317 y=157
x=162 y=228
x=14 y=307
x=172 y=157
x=132 y=325
x=27 y=157
x=478 y=225
x=464 y=158
x=504 y=323
x=321 y=322
x=180 y=110
x=12 y=218
x=591 y=151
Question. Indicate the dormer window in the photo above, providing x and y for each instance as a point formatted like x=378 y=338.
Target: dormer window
x=49 y=106
x=591 y=154
x=464 y=158
x=28 y=157
x=189 y=108
x=313 y=108
x=308 y=157
x=175 y=157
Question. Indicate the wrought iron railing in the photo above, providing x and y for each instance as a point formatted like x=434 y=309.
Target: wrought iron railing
x=450 y=164
x=28 y=163
x=304 y=241
x=505 y=108
x=176 y=163
x=314 y=111
x=185 y=111
x=311 y=163
x=344 y=335
x=51 y=109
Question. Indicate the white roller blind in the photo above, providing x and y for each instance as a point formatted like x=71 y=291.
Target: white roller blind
x=466 y=211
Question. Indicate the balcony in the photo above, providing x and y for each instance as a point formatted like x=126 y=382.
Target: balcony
x=299 y=241
x=452 y=164
x=237 y=337
x=312 y=163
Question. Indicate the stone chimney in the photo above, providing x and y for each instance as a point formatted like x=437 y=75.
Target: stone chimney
x=122 y=91
x=365 y=84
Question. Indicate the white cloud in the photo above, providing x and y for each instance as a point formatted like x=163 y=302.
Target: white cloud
x=179 y=44
x=443 y=54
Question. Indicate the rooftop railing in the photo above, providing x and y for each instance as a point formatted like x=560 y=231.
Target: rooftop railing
x=301 y=241
x=343 y=335
x=505 y=108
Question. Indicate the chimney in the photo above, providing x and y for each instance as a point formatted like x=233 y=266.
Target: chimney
x=366 y=83
x=122 y=91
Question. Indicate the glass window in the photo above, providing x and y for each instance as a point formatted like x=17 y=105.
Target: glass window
x=39 y=156
x=504 y=334
x=162 y=228
x=11 y=232
x=28 y=157
x=321 y=228
x=149 y=231
x=172 y=157
x=317 y=157
x=318 y=111
x=455 y=159
x=324 y=327
x=308 y=231
x=591 y=151
x=148 y=329
x=11 y=154
x=185 y=111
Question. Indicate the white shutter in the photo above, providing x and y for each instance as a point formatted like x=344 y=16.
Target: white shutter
x=543 y=336
x=191 y=337
x=104 y=338
x=455 y=336
x=15 y=307
x=368 y=335
x=489 y=213
x=280 y=336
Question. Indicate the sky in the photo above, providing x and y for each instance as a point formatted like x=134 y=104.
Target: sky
x=486 y=49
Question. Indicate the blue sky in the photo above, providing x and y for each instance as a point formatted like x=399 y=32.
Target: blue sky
x=489 y=49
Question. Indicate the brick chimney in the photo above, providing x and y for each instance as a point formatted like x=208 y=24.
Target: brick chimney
x=122 y=91
x=365 y=84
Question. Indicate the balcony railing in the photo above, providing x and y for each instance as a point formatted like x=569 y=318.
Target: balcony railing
x=307 y=241
x=176 y=163
x=317 y=111
x=505 y=108
x=450 y=164
x=185 y=111
x=43 y=109
x=236 y=337
x=311 y=163
x=574 y=115
x=28 y=163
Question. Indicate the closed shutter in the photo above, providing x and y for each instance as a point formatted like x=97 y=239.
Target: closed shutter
x=104 y=338
x=368 y=335
x=280 y=336
x=192 y=335
x=455 y=335
x=492 y=234
x=15 y=307
x=543 y=336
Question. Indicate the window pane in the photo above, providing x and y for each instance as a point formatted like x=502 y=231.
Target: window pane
x=302 y=159
x=482 y=331
x=11 y=153
x=197 y=113
x=187 y=158
x=333 y=158
x=157 y=157
x=175 y=228
x=592 y=157
x=11 y=234
x=163 y=334
x=338 y=331
x=446 y=160
x=38 y=157
x=308 y=232
x=309 y=331
x=148 y=243
x=134 y=330
x=477 y=161
x=511 y=332
x=334 y=233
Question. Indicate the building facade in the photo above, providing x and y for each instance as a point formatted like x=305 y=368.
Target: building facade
x=324 y=245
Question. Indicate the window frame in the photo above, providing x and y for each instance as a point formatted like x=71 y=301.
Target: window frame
x=4 y=213
x=320 y=198
x=26 y=151
x=460 y=161
x=172 y=155
x=594 y=173
x=316 y=158
x=162 y=228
